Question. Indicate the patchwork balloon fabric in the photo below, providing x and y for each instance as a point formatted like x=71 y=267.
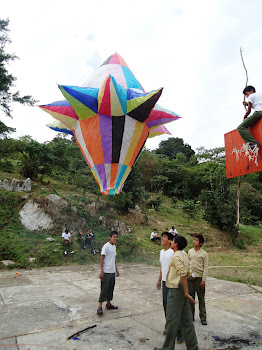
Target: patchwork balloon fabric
x=111 y=117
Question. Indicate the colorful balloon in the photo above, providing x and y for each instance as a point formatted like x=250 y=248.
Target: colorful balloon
x=111 y=118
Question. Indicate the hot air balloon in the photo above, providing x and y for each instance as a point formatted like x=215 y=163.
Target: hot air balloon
x=111 y=117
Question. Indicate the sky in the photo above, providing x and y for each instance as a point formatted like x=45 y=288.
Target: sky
x=191 y=48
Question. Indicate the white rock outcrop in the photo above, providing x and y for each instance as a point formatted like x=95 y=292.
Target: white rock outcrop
x=56 y=200
x=16 y=186
x=121 y=227
x=50 y=239
x=7 y=262
x=34 y=218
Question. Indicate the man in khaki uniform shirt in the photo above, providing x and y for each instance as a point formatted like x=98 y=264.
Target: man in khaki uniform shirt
x=198 y=260
x=178 y=313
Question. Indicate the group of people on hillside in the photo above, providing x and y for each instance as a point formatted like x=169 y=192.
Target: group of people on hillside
x=85 y=241
x=181 y=277
x=154 y=237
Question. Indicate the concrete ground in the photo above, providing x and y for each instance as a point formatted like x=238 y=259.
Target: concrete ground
x=40 y=308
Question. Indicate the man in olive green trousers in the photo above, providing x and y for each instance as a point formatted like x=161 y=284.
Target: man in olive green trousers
x=178 y=316
x=198 y=260
x=178 y=313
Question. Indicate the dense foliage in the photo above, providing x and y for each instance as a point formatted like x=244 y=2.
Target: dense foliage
x=173 y=169
x=198 y=180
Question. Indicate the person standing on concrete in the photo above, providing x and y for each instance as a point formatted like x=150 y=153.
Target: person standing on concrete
x=107 y=275
x=198 y=259
x=165 y=257
x=178 y=310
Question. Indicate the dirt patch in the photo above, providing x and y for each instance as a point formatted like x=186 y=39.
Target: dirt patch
x=237 y=343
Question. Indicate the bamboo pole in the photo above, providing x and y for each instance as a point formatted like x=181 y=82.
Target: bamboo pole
x=239 y=178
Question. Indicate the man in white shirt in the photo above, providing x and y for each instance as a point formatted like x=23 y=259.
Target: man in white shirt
x=107 y=275
x=66 y=238
x=173 y=231
x=165 y=256
x=254 y=100
x=154 y=236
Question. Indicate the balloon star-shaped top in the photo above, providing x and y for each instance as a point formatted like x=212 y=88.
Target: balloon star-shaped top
x=111 y=119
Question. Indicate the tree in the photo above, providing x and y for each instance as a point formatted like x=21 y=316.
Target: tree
x=123 y=201
x=5 y=130
x=190 y=208
x=220 y=209
x=37 y=159
x=84 y=180
x=173 y=146
x=7 y=80
x=158 y=182
x=216 y=155
x=219 y=201
x=148 y=165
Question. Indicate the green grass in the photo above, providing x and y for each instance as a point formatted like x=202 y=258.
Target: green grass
x=250 y=235
x=247 y=275
x=18 y=244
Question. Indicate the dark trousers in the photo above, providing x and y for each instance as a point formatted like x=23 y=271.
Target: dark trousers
x=107 y=287
x=164 y=294
x=156 y=239
x=82 y=243
x=179 y=315
x=66 y=245
x=193 y=289
x=90 y=243
x=243 y=127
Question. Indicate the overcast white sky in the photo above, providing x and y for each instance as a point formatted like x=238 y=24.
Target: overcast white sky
x=189 y=47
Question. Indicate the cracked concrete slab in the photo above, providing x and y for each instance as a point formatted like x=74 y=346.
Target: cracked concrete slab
x=9 y=344
x=25 y=318
x=42 y=307
x=14 y=280
x=63 y=276
x=241 y=305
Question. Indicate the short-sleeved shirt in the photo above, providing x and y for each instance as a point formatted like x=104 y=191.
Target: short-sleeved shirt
x=153 y=234
x=174 y=232
x=66 y=236
x=109 y=251
x=165 y=257
x=256 y=100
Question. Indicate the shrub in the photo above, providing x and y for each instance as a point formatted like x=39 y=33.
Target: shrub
x=155 y=202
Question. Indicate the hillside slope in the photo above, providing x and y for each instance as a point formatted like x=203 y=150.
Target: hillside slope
x=29 y=248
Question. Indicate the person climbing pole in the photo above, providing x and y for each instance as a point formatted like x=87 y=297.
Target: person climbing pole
x=254 y=100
